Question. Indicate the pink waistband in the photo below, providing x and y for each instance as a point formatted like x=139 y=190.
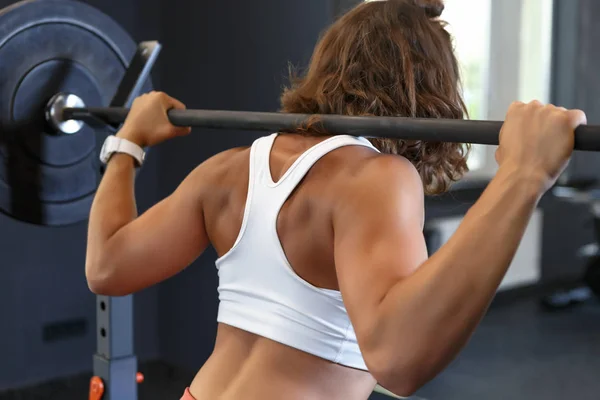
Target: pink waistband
x=187 y=395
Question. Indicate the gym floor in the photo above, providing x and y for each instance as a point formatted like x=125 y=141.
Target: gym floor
x=518 y=352
x=521 y=352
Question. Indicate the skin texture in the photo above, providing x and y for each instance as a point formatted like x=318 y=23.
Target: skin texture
x=354 y=224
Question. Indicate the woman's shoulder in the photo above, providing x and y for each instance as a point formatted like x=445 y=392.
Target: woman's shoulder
x=373 y=168
x=364 y=182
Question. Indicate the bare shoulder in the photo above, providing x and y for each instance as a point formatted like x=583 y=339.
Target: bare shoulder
x=225 y=158
x=392 y=169
x=378 y=190
x=383 y=174
x=214 y=171
x=224 y=162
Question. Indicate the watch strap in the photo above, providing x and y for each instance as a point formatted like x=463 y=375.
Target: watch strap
x=116 y=145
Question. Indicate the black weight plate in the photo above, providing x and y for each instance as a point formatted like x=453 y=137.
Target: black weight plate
x=46 y=47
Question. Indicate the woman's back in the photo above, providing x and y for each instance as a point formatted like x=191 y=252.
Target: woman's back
x=245 y=364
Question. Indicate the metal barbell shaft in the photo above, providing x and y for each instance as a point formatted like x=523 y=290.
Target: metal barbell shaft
x=587 y=137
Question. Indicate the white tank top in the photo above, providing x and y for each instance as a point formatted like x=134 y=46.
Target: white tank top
x=259 y=291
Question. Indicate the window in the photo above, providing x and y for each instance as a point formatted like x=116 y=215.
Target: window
x=471 y=33
x=504 y=48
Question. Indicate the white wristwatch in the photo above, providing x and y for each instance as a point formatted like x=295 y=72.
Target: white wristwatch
x=113 y=145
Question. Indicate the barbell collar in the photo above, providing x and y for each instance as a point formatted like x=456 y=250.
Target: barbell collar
x=55 y=116
x=587 y=137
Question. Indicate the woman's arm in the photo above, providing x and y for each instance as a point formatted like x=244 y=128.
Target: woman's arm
x=411 y=315
x=127 y=253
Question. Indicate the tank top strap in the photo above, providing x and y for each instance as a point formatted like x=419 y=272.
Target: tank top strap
x=260 y=172
x=271 y=195
x=294 y=175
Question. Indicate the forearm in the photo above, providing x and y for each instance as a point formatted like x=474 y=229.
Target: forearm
x=114 y=206
x=431 y=314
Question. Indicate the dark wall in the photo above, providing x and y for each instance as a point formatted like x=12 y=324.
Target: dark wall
x=43 y=281
x=221 y=55
x=339 y=7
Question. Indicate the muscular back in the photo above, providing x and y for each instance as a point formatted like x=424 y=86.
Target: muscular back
x=304 y=225
x=242 y=362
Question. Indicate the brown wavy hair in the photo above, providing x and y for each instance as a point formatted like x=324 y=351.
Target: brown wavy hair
x=388 y=58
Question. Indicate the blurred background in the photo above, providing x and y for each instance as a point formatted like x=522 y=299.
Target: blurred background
x=539 y=340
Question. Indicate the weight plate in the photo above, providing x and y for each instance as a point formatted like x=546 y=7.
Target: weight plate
x=46 y=47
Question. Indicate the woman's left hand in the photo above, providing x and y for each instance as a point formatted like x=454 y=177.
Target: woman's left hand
x=148 y=123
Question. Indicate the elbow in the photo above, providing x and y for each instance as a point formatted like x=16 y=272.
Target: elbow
x=101 y=281
x=399 y=386
x=401 y=378
x=99 y=286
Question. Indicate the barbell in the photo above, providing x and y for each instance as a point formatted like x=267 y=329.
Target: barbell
x=62 y=62
x=426 y=129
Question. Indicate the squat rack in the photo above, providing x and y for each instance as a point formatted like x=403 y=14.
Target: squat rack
x=115 y=366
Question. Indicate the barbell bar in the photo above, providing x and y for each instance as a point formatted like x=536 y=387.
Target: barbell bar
x=587 y=138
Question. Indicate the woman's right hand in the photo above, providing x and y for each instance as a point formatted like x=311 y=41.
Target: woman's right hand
x=148 y=122
x=538 y=140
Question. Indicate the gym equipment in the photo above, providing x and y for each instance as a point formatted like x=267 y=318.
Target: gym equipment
x=47 y=47
x=585 y=192
x=115 y=363
x=433 y=130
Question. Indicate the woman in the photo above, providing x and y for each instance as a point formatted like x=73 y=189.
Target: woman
x=324 y=283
